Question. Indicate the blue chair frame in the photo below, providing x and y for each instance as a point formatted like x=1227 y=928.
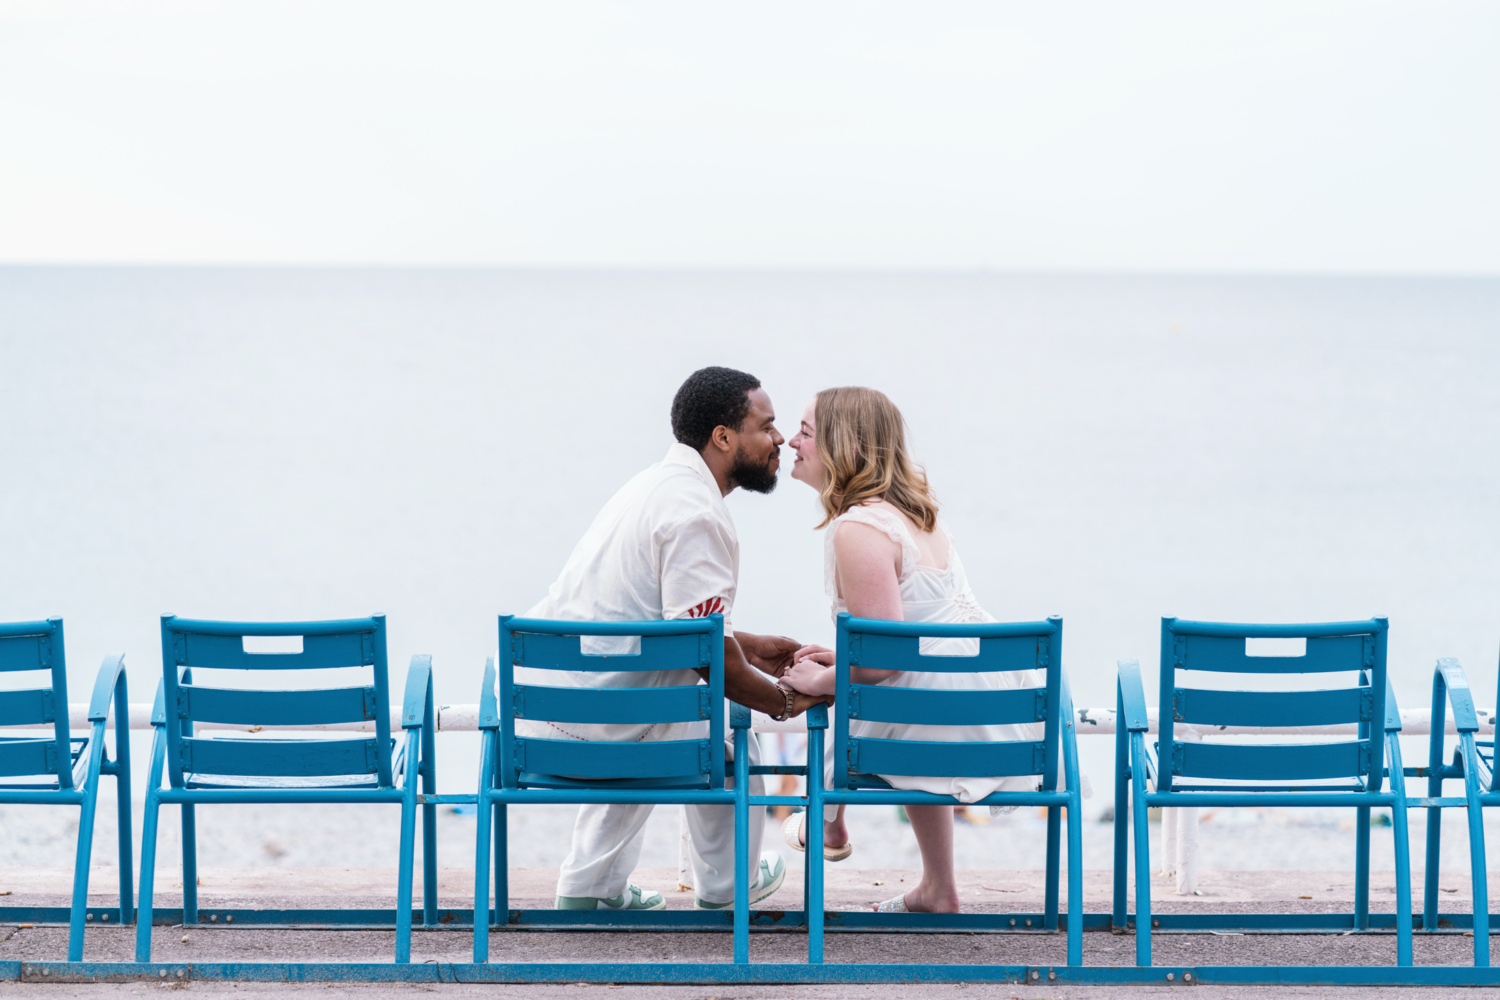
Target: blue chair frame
x=892 y=645
x=520 y=770
x=73 y=764
x=257 y=770
x=1474 y=764
x=1355 y=647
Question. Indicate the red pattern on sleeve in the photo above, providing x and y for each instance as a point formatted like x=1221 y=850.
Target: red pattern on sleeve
x=712 y=606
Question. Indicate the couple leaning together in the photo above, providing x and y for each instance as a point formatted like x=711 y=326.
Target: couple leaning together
x=664 y=547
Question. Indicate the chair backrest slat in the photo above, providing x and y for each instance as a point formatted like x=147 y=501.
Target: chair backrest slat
x=1228 y=654
x=25 y=652
x=947 y=760
x=189 y=644
x=680 y=645
x=1329 y=707
x=543 y=651
x=604 y=705
x=23 y=757
x=250 y=707
x=923 y=706
x=37 y=646
x=1270 y=762
x=645 y=760
x=1004 y=647
x=280 y=758
x=1354 y=647
x=998 y=654
x=227 y=652
x=26 y=708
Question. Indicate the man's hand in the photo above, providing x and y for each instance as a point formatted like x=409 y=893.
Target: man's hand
x=770 y=654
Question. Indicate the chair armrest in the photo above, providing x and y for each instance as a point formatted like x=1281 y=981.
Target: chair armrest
x=739 y=716
x=1451 y=676
x=418 y=684
x=1392 y=710
x=817 y=716
x=104 y=687
x=159 y=710
x=1133 y=697
x=489 y=706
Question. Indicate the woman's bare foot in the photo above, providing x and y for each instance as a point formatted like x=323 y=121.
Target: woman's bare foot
x=932 y=899
x=835 y=834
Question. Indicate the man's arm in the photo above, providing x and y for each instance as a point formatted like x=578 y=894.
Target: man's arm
x=749 y=686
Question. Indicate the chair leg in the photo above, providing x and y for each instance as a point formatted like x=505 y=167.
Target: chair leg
x=1433 y=871
x=189 y=865
x=429 y=866
x=404 y=879
x=482 y=880
x=1117 y=920
x=502 y=864
x=1075 y=882
x=1401 y=834
x=1362 y=869
x=429 y=833
x=148 y=875
x=1142 y=854
x=122 y=803
x=81 y=873
x=742 y=848
x=1481 y=885
x=1054 y=867
x=813 y=823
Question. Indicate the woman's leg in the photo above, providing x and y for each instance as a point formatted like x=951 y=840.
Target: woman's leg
x=938 y=890
x=835 y=833
x=788 y=787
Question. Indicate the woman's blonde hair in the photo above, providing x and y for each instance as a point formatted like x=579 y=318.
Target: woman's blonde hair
x=861 y=440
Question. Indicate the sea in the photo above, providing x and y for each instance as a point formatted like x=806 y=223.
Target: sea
x=305 y=443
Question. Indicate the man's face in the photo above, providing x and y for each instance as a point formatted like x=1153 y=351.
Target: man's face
x=758 y=443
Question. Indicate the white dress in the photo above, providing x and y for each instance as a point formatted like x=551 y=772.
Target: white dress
x=929 y=594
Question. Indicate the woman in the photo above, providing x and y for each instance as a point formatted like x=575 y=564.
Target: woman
x=887 y=555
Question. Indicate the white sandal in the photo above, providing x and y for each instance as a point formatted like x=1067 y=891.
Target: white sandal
x=895 y=905
x=791 y=832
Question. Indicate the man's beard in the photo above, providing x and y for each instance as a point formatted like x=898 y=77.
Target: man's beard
x=755 y=478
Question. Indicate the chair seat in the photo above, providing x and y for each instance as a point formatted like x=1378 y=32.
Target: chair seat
x=1350 y=789
x=240 y=782
x=529 y=779
x=857 y=781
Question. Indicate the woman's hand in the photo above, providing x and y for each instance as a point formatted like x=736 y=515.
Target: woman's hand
x=812 y=675
x=822 y=654
x=802 y=702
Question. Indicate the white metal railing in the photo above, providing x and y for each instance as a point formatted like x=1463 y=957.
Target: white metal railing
x=1089 y=721
x=1179 y=827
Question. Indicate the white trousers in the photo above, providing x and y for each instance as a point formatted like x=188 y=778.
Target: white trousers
x=607 y=841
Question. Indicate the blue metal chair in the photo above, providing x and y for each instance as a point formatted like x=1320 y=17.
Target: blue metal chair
x=358 y=769
x=519 y=770
x=1473 y=764
x=69 y=766
x=1348 y=773
x=890 y=645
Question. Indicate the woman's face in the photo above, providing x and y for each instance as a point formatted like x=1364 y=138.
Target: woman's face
x=808 y=467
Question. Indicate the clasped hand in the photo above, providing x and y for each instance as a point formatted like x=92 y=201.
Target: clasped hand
x=811 y=672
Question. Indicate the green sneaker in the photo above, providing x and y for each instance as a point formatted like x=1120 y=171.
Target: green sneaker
x=768 y=878
x=633 y=898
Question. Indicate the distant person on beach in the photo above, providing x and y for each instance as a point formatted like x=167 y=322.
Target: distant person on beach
x=664 y=547
x=888 y=555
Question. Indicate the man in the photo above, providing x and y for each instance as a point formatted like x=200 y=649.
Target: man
x=665 y=547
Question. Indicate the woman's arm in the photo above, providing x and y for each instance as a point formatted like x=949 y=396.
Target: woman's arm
x=869 y=579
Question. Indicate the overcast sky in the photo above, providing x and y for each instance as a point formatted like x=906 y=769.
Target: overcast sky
x=1302 y=136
